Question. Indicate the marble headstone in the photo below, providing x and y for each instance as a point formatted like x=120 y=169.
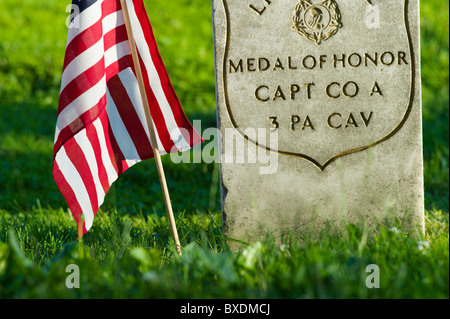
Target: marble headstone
x=319 y=110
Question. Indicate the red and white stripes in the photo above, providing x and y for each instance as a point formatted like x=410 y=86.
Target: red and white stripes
x=101 y=128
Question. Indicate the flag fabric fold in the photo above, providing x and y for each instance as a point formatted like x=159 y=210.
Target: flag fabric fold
x=101 y=129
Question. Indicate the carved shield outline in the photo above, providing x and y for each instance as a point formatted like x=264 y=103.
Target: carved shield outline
x=304 y=156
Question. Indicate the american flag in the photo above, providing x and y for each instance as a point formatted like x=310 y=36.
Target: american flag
x=101 y=128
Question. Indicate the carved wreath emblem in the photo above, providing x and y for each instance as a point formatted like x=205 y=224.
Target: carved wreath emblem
x=317 y=20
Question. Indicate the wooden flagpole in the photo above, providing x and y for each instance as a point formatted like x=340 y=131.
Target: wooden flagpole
x=148 y=116
x=80 y=236
x=80 y=227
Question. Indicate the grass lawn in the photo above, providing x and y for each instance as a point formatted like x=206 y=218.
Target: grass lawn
x=129 y=251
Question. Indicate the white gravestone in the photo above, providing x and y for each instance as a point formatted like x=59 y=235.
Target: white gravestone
x=319 y=109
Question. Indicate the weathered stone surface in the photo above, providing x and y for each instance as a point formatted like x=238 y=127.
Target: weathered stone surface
x=332 y=89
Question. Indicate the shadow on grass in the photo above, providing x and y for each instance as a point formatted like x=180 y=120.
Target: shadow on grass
x=26 y=151
x=436 y=152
